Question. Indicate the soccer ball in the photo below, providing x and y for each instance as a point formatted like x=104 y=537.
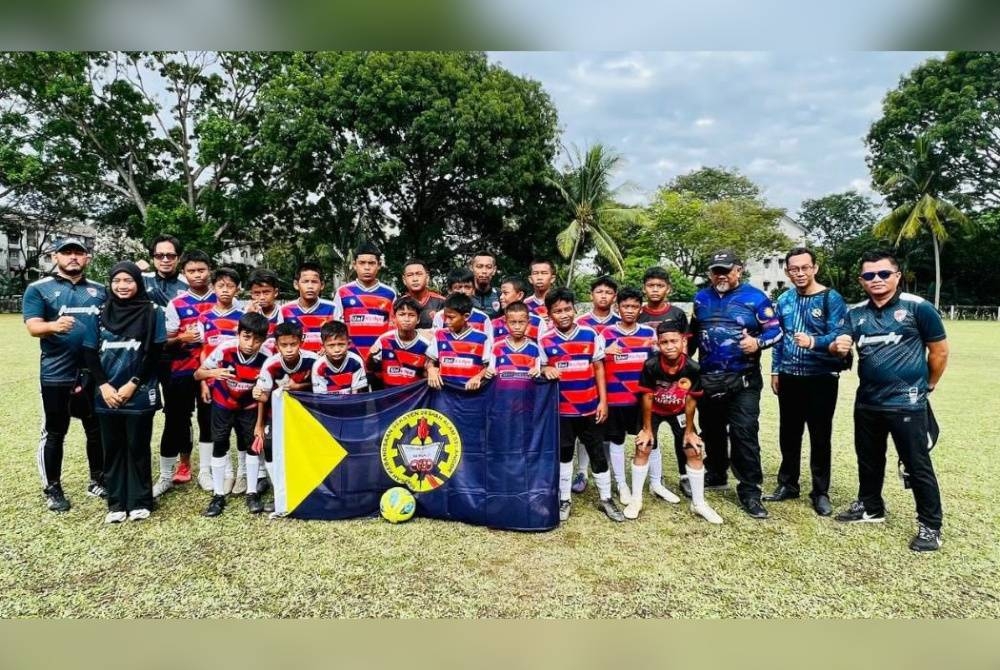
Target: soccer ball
x=397 y=505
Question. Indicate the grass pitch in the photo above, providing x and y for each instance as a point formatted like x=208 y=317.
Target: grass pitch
x=667 y=564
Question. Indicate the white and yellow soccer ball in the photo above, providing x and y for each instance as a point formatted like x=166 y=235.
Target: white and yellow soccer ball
x=397 y=505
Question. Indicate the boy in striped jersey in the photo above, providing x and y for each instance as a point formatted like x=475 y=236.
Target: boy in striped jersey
x=338 y=370
x=182 y=395
x=365 y=304
x=459 y=354
x=264 y=300
x=627 y=347
x=513 y=289
x=218 y=326
x=603 y=291
x=290 y=368
x=541 y=275
x=461 y=280
x=233 y=369
x=516 y=356
x=399 y=357
x=309 y=311
x=575 y=356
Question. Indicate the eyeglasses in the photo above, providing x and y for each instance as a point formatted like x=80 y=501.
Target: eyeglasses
x=881 y=274
x=792 y=270
x=164 y=257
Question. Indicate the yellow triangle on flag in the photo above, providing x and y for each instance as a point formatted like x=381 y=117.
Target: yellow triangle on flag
x=311 y=452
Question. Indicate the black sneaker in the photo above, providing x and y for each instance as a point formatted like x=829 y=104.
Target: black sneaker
x=254 y=505
x=856 y=514
x=685 y=486
x=754 y=508
x=56 y=499
x=263 y=485
x=716 y=482
x=215 y=507
x=926 y=539
x=564 y=507
x=96 y=490
x=609 y=507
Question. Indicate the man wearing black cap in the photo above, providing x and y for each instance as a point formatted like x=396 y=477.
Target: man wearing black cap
x=732 y=324
x=58 y=310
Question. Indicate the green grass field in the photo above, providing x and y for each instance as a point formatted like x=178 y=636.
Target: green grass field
x=667 y=564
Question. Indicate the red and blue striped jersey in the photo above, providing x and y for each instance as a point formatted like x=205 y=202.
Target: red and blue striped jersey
x=573 y=354
x=181 y=313
x=460 y=357
x=366 y=311
x=537 y=307
x=622 y=370
x=591 y=320
x=347 y=377
x=277 y=373
x=217 y=327
x=273 y=319
x=536 y=325
x=237 y=393
x=311 y=319
x=399 y=362
x=478 y=319
x=515 y=362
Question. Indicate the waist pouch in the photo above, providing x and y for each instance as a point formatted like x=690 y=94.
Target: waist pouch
x=719 y=385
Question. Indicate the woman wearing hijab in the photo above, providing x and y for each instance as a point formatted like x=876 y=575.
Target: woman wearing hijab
x=122 y=351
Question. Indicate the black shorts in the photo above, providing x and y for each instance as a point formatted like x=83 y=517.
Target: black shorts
x=622 y=420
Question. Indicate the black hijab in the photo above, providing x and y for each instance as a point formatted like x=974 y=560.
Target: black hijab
x=128 y=318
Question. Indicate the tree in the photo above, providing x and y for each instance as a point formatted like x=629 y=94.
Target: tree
x=924 y=211
x=437 y=154
x=715 y=183
x=685 y=229
x=585 y=186
x=955 y=103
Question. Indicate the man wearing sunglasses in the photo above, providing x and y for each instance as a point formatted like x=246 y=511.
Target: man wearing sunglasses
x=733 y=322
x=805 y=376
x=902 y=353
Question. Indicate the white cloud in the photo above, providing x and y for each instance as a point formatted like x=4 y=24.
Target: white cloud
x=704 y=122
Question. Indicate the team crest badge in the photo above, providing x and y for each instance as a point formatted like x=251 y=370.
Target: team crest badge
x=421 y=450
x=817 y=312
x=768 y=312
x=684 y=383
x=92 y=291
x=899 y=315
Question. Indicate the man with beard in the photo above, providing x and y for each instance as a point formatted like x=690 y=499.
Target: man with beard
x=733 y=323
x=59 y=310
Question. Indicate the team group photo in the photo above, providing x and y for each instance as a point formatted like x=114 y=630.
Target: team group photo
x=357 y=334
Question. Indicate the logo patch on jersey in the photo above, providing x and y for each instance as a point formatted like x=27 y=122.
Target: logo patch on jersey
x=92 y=291
x=496 y=305
x=421 y=450
x=899 y=315
x=768 y=312
x=684 y=383
x=817 y=312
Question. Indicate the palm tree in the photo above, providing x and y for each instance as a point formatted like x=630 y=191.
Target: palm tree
x=585 y=186
x=924 y=210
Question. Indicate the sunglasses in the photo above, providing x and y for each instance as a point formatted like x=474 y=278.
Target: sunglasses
x=164 y=257
x=881 y=274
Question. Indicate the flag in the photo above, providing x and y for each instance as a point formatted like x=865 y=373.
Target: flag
x=487 y=457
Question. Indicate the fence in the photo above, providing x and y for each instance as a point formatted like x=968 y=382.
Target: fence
x=971 y=312
x=10 y=304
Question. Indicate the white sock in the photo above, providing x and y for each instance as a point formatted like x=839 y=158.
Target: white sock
x=582 y=459
x=204 y=457
x=697 y=480
x=655 y=467
x=618 y=462
x=167 y=467
x=603 y=481
x=253 y=471
x=639 y=475
x=565 y=480
x=269 y=467
x=241 y=463
x=219 y=475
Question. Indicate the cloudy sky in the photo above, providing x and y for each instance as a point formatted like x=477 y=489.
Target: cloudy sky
x=792 y=122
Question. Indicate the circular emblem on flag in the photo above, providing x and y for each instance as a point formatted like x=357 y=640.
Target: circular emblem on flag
x=421 y=450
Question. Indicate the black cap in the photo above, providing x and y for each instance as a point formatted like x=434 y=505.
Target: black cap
x=67 y=242
x=723 y=258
